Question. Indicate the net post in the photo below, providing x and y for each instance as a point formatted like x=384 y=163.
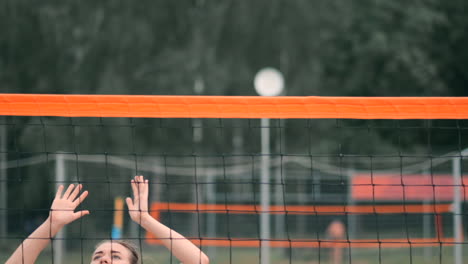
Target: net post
x=265 y=192
x=457 y=218
x=59 y=241
x=278 y=194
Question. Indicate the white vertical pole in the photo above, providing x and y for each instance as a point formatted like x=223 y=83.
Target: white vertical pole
x=267 y=82
x=197 y=219
x=3 y=183
x=265 y=192
x=457 y=218
x=280 y=217
x=59 y=241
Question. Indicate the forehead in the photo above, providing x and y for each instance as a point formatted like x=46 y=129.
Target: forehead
x=109 y=246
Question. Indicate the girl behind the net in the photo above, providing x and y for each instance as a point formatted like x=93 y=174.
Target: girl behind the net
x=62 y=212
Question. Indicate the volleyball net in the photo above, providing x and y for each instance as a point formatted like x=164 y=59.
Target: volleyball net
x=319 y=179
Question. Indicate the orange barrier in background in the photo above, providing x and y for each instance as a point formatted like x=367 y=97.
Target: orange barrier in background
x=314 y=243
x=437 y=188
x=233 y=106
x=157 y=208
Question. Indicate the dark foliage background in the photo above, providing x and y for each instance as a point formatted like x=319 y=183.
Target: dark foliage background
x=344 y=48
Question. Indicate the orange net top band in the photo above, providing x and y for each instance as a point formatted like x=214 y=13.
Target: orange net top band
x=233 y=106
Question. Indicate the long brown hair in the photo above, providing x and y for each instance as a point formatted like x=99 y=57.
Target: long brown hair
x=134 y=255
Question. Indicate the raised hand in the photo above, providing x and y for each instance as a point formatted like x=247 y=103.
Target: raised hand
x=62 y=210
x=184 y=250
x=138 y=207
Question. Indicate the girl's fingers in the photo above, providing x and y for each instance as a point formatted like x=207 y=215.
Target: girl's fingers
x=140 y=186
x=81 y=198
x=136 y=194
x=141 y=182
x=134 y=188
x=130 y=204
x=68 y=191
x=80 y=214
x=143 y=187
x=136 y=203
x=75 y=192
x=58 y=194
x=140 y=193
x=144 y=190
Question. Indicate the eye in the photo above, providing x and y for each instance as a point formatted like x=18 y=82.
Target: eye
x=96 y=257
x=116 y=257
